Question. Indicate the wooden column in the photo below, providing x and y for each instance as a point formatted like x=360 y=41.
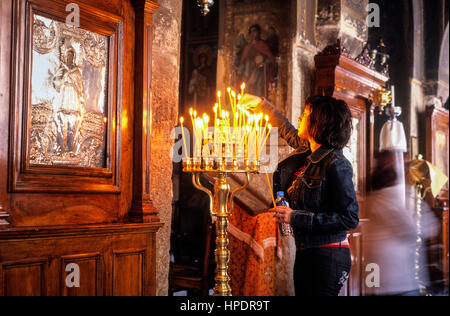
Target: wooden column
x=142 y=209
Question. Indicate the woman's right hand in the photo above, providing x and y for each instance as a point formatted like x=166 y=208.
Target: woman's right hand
x=252 y=102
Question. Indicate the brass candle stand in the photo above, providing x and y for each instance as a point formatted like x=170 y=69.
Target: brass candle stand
x=232 y=145
x=220 y=199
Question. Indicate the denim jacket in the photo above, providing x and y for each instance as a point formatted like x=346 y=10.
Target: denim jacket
x=326 y=207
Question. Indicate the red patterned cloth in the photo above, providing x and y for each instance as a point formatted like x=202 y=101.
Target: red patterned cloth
x=255 y=244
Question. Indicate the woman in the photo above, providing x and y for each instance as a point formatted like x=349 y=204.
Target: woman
x=318 y=181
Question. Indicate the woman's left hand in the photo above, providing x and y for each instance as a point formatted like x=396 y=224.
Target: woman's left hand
x=283 y=213
x=252 y=102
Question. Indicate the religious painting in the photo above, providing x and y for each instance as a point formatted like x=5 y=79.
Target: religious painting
x=66 y=103
x=68 y=96
x=200 y=76
x=201 y=82
x=255 y=61
x=257 y=49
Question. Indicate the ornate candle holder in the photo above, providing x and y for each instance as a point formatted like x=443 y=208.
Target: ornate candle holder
x=233 y=147
x=219 y=201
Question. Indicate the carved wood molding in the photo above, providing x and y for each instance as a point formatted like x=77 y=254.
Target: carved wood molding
x=142 y=208
x=335 y=49
x=4 y=215
x=78 y=230
x=148 y=6
x=363 y=58
x=336 y=70
x=26 y=176
x=437 y=122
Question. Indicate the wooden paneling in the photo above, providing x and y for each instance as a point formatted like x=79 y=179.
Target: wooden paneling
x=54 y=216
x=24 y=278
x=128 y=273
x=91 y=275
x=108 y=260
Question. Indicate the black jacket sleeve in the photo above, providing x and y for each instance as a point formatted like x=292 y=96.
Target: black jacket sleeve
x=285 y=129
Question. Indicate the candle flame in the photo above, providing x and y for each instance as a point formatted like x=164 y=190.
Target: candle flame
x=249 y=131
x=200 y=123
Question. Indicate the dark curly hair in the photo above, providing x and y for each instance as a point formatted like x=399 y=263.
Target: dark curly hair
x=330 y=121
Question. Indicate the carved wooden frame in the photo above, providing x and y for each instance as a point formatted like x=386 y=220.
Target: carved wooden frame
x=437 y=121
x=23 y=177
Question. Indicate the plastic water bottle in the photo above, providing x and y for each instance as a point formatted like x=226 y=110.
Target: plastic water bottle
x=285 y=228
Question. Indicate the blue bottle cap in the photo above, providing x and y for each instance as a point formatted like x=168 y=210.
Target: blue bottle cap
x=280 y=194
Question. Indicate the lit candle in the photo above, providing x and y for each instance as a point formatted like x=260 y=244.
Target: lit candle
x=264 y=131
x=219 y=94
x=198 y=139
x=182 y=136
x=234 y=148
x=242 y=88
x=191 y=113
x=206 y=135
x=194 y=128
x=231 y=99
x=268 y=133
x=246 y=135
x=216 y=125
x=257 y=130
x=233 y=94
x=235 y=121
